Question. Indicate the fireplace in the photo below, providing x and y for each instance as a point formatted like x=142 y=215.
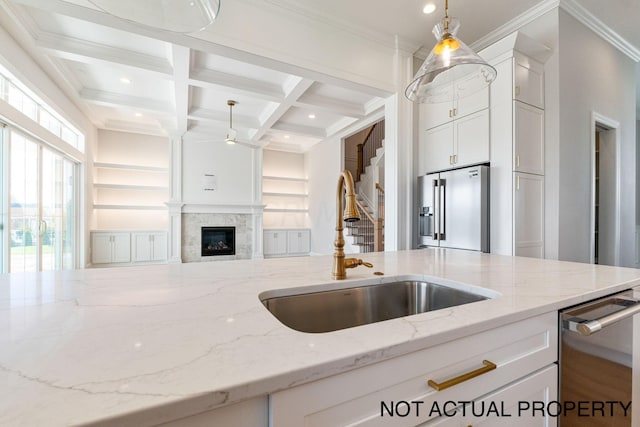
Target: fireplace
x=218 y=241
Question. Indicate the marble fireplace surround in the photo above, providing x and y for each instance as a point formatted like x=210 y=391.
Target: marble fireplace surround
x=186 y=222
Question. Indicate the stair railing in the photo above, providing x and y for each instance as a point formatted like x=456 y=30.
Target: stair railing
x=367 y=150
x=369 y=225
x=379 y=233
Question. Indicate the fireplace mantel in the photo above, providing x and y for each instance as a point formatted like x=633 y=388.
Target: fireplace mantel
x=227 y=208
x=187 y=218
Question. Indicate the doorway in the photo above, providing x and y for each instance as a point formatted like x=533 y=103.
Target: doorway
x=605 y=211
x=42 y=206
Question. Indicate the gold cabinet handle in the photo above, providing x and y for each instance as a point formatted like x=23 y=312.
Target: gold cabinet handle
x=488 y=366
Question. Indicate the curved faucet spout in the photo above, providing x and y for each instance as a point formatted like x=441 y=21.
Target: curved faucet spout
x=350 y=214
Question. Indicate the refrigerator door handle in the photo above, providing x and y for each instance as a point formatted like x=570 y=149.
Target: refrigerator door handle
x=436 y=209
x=442 y=209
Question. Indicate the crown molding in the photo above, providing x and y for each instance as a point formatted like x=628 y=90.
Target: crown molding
x=515 y=24
x=573 y=8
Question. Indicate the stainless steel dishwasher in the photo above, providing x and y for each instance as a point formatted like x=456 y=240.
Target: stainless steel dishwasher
x=596 y=361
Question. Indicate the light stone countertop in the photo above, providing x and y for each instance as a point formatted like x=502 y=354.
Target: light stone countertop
x=89 y=345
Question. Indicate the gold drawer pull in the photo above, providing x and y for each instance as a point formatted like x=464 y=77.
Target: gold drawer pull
x=488 y=366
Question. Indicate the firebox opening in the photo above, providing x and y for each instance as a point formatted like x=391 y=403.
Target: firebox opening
x=218 y=241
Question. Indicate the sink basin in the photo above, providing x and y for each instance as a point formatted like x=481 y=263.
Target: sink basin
x=334 y=309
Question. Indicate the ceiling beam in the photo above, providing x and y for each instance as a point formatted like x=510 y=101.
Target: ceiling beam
x=181 y=61
x=217 y=79
x=90 y=52
x=216 y=117
x=295 y=88
x=117 y=100
x=300 y=130
x=330 y=105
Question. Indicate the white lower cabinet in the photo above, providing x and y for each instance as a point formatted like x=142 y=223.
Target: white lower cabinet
x=149 y=246
x=528 y=215
x=282 y=242
x=528 y=402
x=248 y=413
x=275 y=243
x=396 y=392
x=298 y=242
x=124 y=247
x=108 y=248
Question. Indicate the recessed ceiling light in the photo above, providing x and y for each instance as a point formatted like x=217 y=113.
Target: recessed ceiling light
x=287 y=137
x=125 y=80
x=429 y=8
x=138 y=114
x=312 y=116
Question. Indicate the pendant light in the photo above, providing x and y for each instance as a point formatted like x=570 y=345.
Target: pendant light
x=231 y=133
x=452 y=70
x=178 y=16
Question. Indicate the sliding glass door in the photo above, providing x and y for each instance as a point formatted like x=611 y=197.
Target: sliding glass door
x=42 y=207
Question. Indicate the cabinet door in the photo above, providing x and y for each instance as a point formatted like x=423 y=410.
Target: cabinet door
x=471 y=139
x=159 y=247
x=470 y=104
x=275 y=242
x=432 y=115
x=299 y=242
x=528 y=81
x=121 y=247
x=100 y=248
x=510 y=405
x=528 y=215
x=528 y=139
x=140 y=247
x=436 y=149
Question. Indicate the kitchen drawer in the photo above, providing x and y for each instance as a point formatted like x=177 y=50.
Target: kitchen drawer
x=355 y=398
x=510 y=406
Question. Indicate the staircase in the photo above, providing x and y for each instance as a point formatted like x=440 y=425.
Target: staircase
x=367 y=235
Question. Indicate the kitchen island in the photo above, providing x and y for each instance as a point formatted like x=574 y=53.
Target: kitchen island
x=152 y=344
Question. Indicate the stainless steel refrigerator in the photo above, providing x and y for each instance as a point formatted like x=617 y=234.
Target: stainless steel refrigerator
x=453 y=209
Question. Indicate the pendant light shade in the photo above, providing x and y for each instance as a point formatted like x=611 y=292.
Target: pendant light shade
x=178 y=16
x=452 y=70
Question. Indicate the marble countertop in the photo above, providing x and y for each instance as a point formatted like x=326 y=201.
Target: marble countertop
x=83 y=346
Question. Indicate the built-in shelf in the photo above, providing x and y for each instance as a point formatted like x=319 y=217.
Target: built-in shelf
x=284 y=178
x=286 y=210
x=130 y=167
x=132 y=187
x=285 y=194
x=131 y=207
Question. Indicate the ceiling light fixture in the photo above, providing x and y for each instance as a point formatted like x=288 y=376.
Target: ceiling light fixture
x=125 y=80
x=452 y=70
x=312 y=116
x=179 y=16
x=429 y=8
x=231 y=134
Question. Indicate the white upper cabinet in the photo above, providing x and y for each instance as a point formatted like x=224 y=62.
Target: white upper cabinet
x=433 y=115
x=461 y=142
x=528 y=139
x=528 y=82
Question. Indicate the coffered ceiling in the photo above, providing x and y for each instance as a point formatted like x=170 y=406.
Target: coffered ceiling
x=131 y=81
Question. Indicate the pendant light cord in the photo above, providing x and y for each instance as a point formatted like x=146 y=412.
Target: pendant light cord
x=446 y=16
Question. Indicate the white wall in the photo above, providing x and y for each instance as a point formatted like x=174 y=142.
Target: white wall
x=594 y=77
x=19 y=63
x=324 y=165
x=234 y=167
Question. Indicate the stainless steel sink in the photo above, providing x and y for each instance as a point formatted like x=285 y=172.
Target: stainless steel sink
x=331 y=310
